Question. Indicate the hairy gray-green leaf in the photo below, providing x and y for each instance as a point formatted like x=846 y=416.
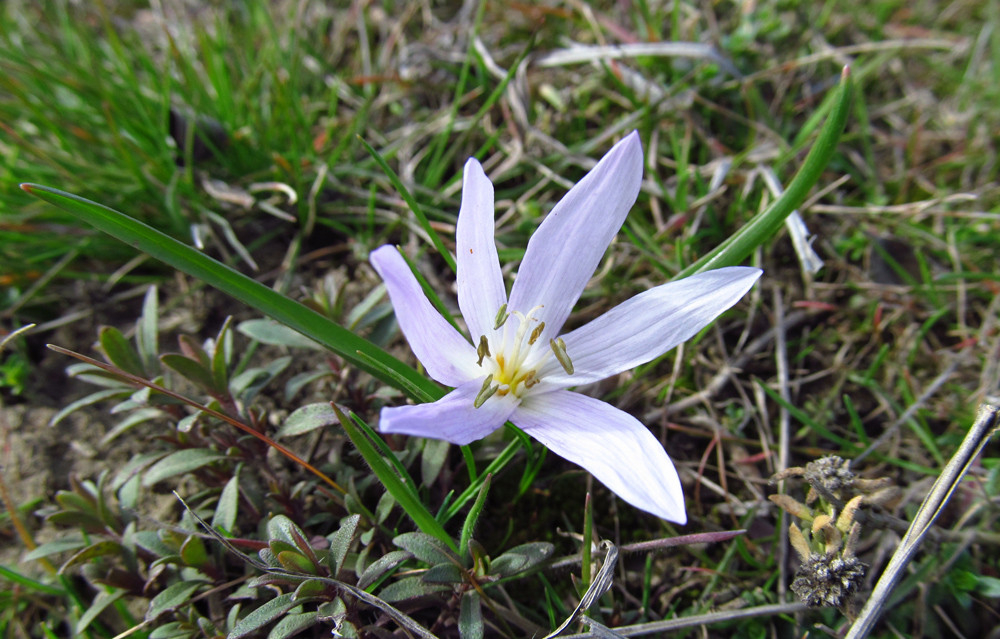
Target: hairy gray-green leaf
x=147 y=331
x=173 y=596
x=410 y=588
x=432 y=461
x=444 y=574
x=99 y=549
x=133 y=467
x=101 y=601
x=250 y=382
x=293 y=624
x=190 y=370
x=340 y=543
x=183 y=461
x=270 y=332
x=93 y=398
x=385 y=563
x=426 y=548
x=264 y=615
x=521 y=558
x=48 y=549
x=284 y=529
x=310 y=588
x=171 y=630
x=470 y=618
x=150 y=541
x=138 y=417
x=385 y=505
x=298 y=382
x=307 y=419
x=229 y=501
x=119 y=351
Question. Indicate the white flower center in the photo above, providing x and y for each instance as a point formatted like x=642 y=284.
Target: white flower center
x=513 y=361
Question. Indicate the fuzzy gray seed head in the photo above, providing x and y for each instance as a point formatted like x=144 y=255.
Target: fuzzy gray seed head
x=828 y=580
x=831 y=473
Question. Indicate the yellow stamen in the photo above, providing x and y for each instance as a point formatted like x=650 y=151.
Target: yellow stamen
x=501 y=318
x=485 y=392
x=483 y=350
x=559 y=349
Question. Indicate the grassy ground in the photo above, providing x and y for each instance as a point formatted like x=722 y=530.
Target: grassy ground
x=238 y=127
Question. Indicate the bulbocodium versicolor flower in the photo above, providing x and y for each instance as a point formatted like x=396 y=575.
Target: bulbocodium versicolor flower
x=518 y=365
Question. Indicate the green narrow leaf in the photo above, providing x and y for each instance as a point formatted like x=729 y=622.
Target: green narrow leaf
x=473 y=490
x=101 y=601
x=289 y=312
x=296 y=562
x=804 y=417
x=190 y=370
x=412 y=203
x=193 y=552
x=220 y=370
x=473 y=517
x=100 y=549
x=760 y=229
x=38 y=586
x=119 y=351
x=404 y=495
x=147 y=332
x=138 y=417
x=55 y=547
x=89 y=400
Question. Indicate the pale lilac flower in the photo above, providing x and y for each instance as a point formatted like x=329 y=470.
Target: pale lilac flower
x=518 y=366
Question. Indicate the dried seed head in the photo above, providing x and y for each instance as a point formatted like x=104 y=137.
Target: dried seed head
x=831 y=473
x=828 y=580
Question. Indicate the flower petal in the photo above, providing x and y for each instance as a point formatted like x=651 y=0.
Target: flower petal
x=481 y=291
x=453 y=418
x=566 y=249
x=608 y=443
x=448 y=357
x=649 y=325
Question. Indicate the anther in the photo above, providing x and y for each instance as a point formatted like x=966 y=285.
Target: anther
x=485 y=392
x=483 y=350
x=530 y=379
x=535 y=334
x=501 y=318
x=559 y=349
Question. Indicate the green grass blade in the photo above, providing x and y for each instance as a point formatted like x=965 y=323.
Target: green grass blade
x=758 y=230
x=412 y=203
x=472 y=491
x=198 y=265
x=403 y=494
x=29 y=583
